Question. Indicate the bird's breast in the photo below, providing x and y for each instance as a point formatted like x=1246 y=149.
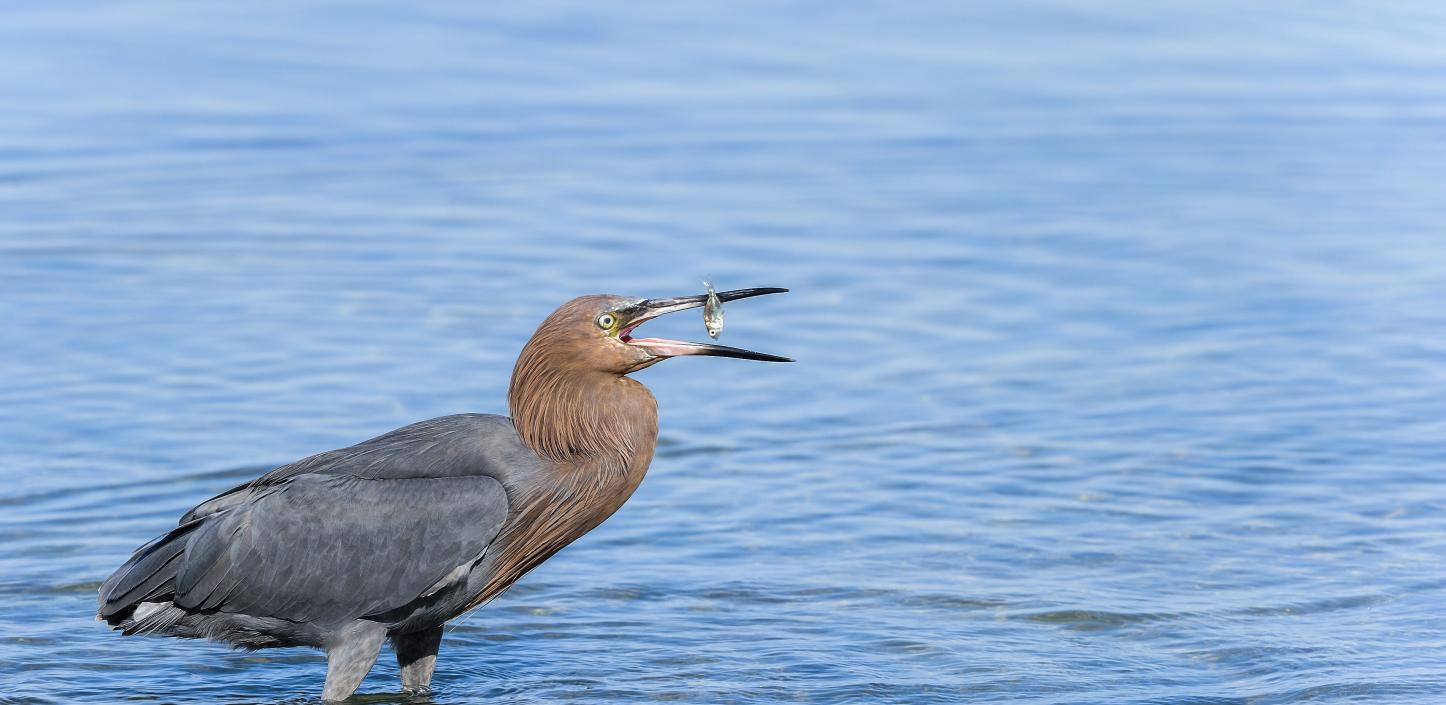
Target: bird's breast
x=571 y=502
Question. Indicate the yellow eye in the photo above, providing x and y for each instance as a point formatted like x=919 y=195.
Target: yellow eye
x=606 y=321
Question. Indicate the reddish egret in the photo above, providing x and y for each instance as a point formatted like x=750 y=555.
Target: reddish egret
x=393 y=537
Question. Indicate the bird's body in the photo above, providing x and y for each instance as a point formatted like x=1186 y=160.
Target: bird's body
x=246 y=556
x=394 y=536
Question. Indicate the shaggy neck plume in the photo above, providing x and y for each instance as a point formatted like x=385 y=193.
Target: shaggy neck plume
x=566 y=412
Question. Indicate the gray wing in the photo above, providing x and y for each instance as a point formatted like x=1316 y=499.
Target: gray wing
x=342 y=534
x=328 y=547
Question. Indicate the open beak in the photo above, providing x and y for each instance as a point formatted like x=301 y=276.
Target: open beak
x=648 y=309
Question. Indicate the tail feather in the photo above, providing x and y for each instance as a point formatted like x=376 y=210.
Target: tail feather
x=152 y=618
x=149 y=574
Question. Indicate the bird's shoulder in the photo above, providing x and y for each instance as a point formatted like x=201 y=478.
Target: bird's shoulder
x=459 y=445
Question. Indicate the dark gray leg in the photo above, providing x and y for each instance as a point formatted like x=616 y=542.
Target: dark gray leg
x=349 y=655
x=417 y=655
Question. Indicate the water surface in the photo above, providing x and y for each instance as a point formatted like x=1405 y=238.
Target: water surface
x=1120 y=370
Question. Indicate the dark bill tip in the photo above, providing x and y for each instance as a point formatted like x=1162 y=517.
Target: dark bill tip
x=676 y=348
x=740 y=353
x=679 y=303
x=736 y=294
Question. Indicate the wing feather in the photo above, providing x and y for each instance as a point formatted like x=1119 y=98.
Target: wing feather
x=337 y=547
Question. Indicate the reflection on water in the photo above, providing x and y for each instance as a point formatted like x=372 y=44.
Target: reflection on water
x=1118 y=378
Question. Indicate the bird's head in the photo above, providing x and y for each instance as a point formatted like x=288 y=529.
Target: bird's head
x=569 y=396
x=595 y=333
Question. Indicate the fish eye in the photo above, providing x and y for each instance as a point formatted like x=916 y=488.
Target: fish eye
x=606 y=321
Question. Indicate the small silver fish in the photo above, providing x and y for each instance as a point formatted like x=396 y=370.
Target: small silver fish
x=712 y=312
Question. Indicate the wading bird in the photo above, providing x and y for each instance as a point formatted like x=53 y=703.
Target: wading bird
x=393 y=537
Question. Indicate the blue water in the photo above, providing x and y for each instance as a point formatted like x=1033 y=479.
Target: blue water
x=1121 y=371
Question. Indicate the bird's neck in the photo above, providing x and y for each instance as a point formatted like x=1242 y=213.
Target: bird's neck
x=599 y=431
x=593 y=419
